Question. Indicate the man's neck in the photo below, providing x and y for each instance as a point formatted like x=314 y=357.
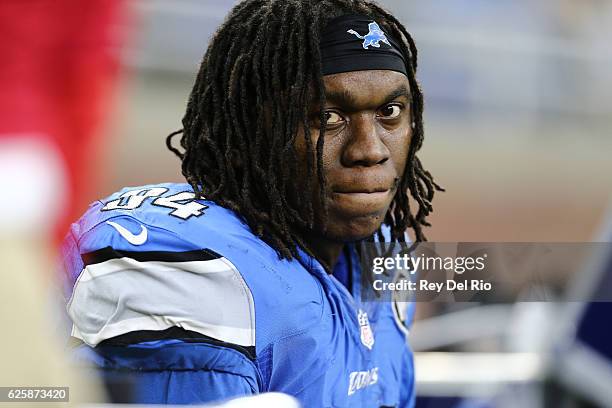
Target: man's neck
x=325 y=250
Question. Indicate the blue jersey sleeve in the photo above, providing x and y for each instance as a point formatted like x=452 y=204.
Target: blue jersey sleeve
x=154 y=306
x=174 y=371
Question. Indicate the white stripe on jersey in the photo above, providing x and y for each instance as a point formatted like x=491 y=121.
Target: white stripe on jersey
x=123 y=295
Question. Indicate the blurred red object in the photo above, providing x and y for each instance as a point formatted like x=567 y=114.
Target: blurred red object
x=60 y=65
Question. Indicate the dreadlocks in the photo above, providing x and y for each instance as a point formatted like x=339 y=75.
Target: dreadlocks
x=260 y=74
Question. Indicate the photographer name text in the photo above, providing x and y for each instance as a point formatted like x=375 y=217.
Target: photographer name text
x=424 y=285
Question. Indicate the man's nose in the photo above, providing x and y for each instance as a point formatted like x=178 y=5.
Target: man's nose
x=364 y=146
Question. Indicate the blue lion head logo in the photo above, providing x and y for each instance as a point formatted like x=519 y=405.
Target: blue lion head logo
x=374 y=36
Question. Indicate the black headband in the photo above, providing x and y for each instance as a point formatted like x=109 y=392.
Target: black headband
x=357 y=43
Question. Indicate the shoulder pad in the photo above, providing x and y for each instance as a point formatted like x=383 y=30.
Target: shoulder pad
x=145 y=269
x=119 y=292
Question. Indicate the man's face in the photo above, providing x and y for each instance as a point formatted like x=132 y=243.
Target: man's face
x=366 y=144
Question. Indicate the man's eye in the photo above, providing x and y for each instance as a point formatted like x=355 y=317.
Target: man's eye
x=390 y=111
x=332 y=118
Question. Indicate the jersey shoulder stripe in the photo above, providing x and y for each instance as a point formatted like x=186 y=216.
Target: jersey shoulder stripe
x=117 y=294
x=108 y=253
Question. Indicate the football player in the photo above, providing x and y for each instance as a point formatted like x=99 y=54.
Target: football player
x=299 y=141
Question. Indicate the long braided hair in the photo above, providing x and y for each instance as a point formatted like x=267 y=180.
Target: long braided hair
x=258 y=77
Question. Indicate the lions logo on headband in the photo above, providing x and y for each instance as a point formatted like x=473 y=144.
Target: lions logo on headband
x=373 y=37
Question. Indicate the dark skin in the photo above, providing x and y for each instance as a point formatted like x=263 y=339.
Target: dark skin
x=367 y=138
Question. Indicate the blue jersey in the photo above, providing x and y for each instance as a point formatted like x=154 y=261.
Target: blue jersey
x=180 y=295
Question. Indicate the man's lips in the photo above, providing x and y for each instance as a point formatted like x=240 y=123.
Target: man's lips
x=367 y=199
x=355 y=188
x=359 y=200
x=363 y=190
